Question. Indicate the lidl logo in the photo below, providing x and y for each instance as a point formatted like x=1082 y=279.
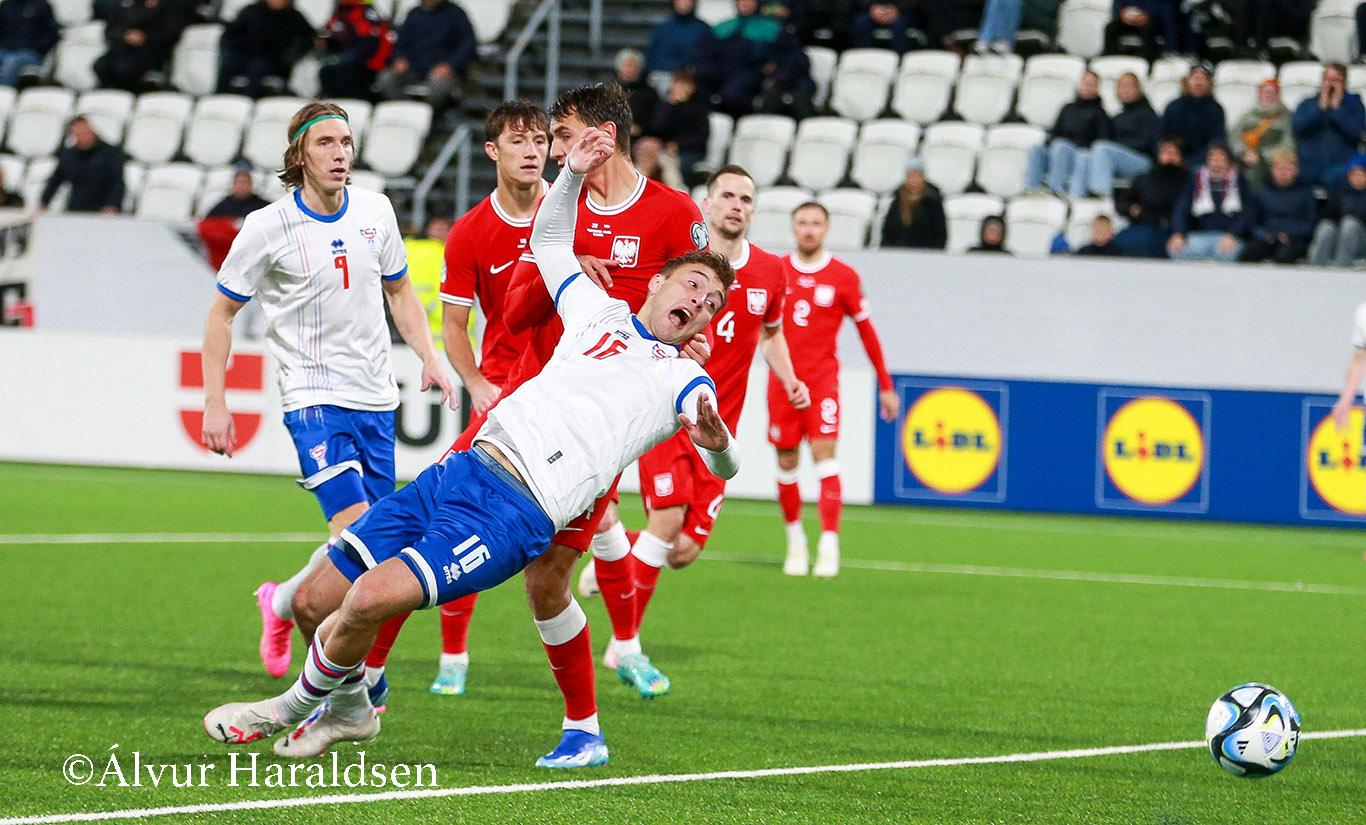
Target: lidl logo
x=952 y=442
x=1153 y=450
x=1334 y=462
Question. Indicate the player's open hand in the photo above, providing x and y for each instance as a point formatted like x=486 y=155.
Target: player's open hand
x=220 y=432
x=889 y=404
x=698 y=349
x=709 y=432
x=798 y=395
x=597 y=270
x=434 y=376
x=593 y=149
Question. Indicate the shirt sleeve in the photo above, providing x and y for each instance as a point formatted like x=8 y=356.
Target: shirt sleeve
x=723 y=464
x=855 y=305
x=777 y=299
x=1359 y=328
x=393 y=255
x=458 y=275
x=576 y=298
x=247 y=263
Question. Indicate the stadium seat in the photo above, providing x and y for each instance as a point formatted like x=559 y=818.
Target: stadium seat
x=362 y=179
x=489 y=17
x=72 y=12
x=699 y=193
x=1005 y=154
x=12 y=170
x=950 y=153
x=880 y=157
x=268 y=184
x=8 y=96
x=194 y=64
x=712 y=12
x=863 y=82
x=317 y=12
x=823 y=62
x=133 y=175
x=1049 y=82
x=772 y=224
x=1164 y=81
x=851 y=214
x=1032 y=222
x=108 y=111
x=718 y=139
x=820 y=154
x=963 y=215
x=157 y=126
x=169 y=192
x=303 y=78
x=1081 y=26
x=1300 y=79
x=35 y=178
x=1333 y=31
x=395 y=136
x=75 y=55
x=216 y=185
x=229 y=9
x=1109 y=68
x=1235 y=85
x=214 y=135
x=986 y=87
x=1356 y=77
x=39 y=123
x=357 y=115
x=925 y=84
x=1084 y=210
x=760 y=146
x=267 y=136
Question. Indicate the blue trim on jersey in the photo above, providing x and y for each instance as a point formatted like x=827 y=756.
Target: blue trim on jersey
x=333 y=218
x=696 y=382
x=241 y=299
x=560 y=291
x=645 y=333
x=396 y=275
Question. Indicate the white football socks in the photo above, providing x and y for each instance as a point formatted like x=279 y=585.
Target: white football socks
x=587 y=725
x=455 y=659
x=651 y=549
x=282 y=601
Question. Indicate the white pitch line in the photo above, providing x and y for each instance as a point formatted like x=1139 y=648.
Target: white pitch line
x=159 y=538
x=1068 y=575
x=620 y=781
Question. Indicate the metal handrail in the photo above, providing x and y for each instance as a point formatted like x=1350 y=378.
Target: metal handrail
x=546 y=10
x=595 y=26
x=458 y=144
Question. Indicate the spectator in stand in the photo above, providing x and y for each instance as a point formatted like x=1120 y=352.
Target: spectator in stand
x=28 y=31
x=682 y=122
x=992 y=236
x=241 y=199
x=749 y=57
x=673 y=43
x=9 y=199
x=948 y=20
x=1133 y=139
x=1257 y=22
x=642 y=96
x=1212 y=217
x=260 y=47
x=883 y=24
x=1340 y=239
x=1149 y=203
x=1139 y=25
x=92 y=167
x=915 y=219
x=141 y=35
x=1327 y=128
x=1003 y=19
x=1102 y=239
x=814 y=22
x=1261 y=132
x=1065 y=157
x=1195 y=117
x=435 y=48
x=1283 y=214
x=656 y=164
x=358 y=42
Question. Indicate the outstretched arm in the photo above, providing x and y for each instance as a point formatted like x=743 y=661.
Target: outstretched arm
x=410 y=318
x=709 y=433
x=552 y=233
x=887 y=399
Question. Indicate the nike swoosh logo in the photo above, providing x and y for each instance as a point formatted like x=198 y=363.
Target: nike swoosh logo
x=494 y=270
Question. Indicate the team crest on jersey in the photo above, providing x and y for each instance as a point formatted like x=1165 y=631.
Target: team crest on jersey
x=825 y=295
x=757 y=300
x=370 y=234
x=338 y=247
x=319 y=454
x=626 y=250
x=664 y=485
x=700 y=236
x=806 y=280
x=659 y=353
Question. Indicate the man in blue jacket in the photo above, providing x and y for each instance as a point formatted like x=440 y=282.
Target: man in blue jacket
x=27 y=33
x=673 y=44
x=1211 y=217
x=1196 y=117
x=1283 y=214
x=1328 y=128
x=435 y=46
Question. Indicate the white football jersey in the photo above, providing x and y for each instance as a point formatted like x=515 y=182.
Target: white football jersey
x=318 y=279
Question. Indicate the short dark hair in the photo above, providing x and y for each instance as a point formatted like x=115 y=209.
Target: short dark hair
x=519 y=115
x=595 y=105
x=714 y=261
x=728 y=169
x=812 y=205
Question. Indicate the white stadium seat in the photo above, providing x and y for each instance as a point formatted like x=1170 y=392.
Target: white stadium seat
x=39 y=123
x=157 y=126
x=1356 y=77
x=488 y=17
x=268 y=134
x=712 y=12
x=963 y=216
x=1081 y=26
x=194 y=65
x=1085 y=210
x=950 y=153
x=268 y=184
x=822 y=62
x=1164 y=81
x=108 y=111
x=229 y=9
x=216 y=186
x=317 y=12
x=169 y=192
x=72 y=12
x=1001 y=168
x=924 y=85
x=1049 y=82
x=1299 y=79
x=12 y=170
x=1235 y=85
x=863 y=82
x=1032 y=222
x=357 y=116
x=760 y=146
x=1333 y=31
x=851 y=214
x=772 y=224
x=699 y=194
x=986 y=87
x=75 y=55
x=303 y=78
x=1109 y=68
x=362 y=179
x=880 y=157
x=35 y=178
x=215 y=132
x=395 y=136
x=820 y=154
x=133 y=175
x=718 y=139
x=8 y=96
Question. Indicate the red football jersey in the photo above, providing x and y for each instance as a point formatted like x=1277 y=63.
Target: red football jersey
x=818 y=299
x=481 y=252
x=755 y=301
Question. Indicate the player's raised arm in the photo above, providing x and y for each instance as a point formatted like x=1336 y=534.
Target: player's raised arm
x=699 y=418
x=552 y=234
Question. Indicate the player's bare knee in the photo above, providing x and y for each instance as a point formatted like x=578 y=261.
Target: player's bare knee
x=667 y=524
x=310 y=606
x=788 y=460
x=367 y=604
x=685 y=551
x=610 y=518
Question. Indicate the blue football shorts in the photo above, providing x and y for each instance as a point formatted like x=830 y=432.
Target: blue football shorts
x=464 y=525
x=346 y=457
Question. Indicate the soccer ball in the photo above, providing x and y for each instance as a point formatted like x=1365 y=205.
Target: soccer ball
x=1252 y=730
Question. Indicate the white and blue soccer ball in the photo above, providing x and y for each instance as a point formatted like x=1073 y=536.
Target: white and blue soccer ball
x=1252 y=730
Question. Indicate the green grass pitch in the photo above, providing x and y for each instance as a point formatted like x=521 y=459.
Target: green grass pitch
x=905 y=656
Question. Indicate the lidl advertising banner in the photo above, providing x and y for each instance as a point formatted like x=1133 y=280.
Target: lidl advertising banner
x=1228 y=455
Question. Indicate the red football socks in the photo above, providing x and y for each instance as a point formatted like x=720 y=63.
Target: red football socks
x=455 y=623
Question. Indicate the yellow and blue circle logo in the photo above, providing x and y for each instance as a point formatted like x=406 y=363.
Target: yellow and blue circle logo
x=1153 y=450
x=952 y=441
x=1335 y=465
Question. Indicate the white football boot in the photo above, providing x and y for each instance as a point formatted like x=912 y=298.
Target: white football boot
x=798 y=562
x=324 y=729
x=827 y=556
x=238 y=723
x=588 y=580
